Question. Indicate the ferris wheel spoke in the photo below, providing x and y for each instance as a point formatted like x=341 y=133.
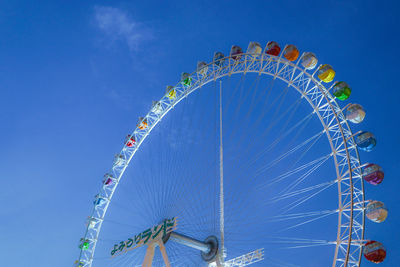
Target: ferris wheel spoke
x=253 y=99
x=183 y=185
x=283 y=132
x=253 y=87
x=187 y=255
x=312 y=169
x=308 y=246
x=256 y=218
x=300 y=191
x=123 y=207
x=245 y=206
x=260 y=154
x=296 y=240
x=296 y=182
x=289 y=119
x=126 y=258
x=314 y=140
x=294 y=243
x=288 y=174
x=282 y=100
x=286 y=154
x=239 y=86
x=292 y=216
x=274 y=119
x=299 y=131
x=279 y=263
x=263 y=99
x=281 y=242
x=307 y=150
x=306 y=221
x=296 y=203
x=175 y=187
x=287 y=217
x=257 y=121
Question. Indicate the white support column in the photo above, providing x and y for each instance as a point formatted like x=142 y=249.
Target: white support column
x=220 y=259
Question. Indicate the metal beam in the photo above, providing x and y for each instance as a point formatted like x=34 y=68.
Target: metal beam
x=190 y=242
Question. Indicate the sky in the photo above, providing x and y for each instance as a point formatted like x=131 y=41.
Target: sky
x=75 y=76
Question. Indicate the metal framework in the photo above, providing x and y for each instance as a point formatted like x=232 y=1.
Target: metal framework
x=350 y=229
x=247 y=259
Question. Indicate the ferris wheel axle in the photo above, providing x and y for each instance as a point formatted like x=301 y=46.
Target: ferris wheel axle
x=208 y=248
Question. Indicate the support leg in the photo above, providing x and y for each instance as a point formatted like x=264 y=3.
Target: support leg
x=148 y=259
x=164 y=253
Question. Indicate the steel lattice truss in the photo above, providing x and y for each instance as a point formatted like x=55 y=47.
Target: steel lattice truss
x=351 y=205
x=247 y=259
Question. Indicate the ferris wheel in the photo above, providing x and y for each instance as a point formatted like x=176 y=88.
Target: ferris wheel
x=249 y=160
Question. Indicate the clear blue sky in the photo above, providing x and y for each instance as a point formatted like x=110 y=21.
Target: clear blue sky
x=74 y=84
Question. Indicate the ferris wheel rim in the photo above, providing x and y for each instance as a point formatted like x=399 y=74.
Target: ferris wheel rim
x=216 y=73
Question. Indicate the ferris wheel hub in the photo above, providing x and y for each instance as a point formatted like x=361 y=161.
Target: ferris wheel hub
x=213 y=244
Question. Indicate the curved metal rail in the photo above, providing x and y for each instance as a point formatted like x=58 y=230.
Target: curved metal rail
x=350 y=229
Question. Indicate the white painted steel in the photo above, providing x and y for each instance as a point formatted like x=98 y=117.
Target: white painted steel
x=220 y=259
x=247 y=259
x=350 y=228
